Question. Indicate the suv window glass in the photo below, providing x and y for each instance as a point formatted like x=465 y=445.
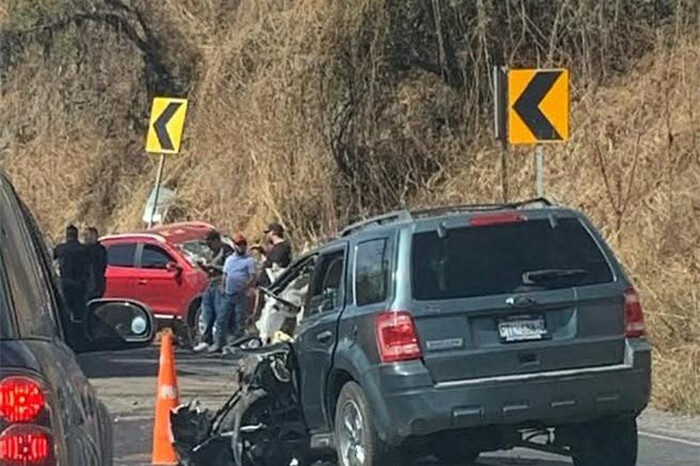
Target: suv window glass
x=121 y=255
x=154 y=257
x=526 y=256
x=5 y=309
x=55 y=300
x=372 y=273
x=327 y=284
x=28 y=289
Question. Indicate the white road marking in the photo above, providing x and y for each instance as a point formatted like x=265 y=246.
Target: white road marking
x=670 y=439
x=132 y=418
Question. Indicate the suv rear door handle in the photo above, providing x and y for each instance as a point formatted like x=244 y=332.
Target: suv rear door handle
x=142 y=281
x=324 y=337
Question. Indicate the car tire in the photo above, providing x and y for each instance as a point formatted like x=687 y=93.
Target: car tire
x=108 y=436
x=609 y=442
x=357 y=441
x=193 y=329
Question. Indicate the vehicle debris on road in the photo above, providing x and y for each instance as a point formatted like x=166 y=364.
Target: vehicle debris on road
x=261 y=424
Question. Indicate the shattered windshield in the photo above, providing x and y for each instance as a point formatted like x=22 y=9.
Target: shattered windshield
x=196 y=251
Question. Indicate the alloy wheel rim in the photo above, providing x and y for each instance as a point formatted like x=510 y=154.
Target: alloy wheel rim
x=352 y=435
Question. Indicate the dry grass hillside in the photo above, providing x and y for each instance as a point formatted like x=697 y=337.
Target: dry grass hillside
x=317 y=112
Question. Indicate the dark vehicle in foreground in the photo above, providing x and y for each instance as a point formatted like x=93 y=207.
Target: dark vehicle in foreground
x=462 y=330
x=49 y=413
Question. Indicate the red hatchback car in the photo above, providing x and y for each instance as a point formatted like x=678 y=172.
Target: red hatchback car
x=158 y=267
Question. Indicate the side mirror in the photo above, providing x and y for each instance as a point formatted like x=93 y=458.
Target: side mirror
x=118 y=324
x=174 y=267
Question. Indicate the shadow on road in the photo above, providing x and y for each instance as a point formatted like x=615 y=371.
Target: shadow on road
x=141 y=363
x=144 y=363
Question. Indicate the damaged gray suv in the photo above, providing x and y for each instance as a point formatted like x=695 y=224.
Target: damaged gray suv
x=461 y=330
x=447 y=332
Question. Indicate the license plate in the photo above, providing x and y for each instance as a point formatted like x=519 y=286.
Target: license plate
x=522 y=328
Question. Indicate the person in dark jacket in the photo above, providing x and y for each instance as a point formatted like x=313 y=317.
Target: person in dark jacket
x=98 y=264
x=277 y=253
x=280 y=251
x=74 y=266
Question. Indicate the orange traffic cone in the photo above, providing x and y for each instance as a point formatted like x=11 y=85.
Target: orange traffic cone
x=166 y=399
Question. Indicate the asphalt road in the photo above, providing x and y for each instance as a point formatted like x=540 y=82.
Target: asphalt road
x=126 y=383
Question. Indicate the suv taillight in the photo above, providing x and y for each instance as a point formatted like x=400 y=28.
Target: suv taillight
x=634 y=317
x=25 y=422
x=397 y=337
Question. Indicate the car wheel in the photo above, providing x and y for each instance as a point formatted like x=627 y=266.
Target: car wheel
x=195 y=327
x=609 y=442
x=357 y=442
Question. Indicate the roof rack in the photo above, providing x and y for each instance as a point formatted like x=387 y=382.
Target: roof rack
x=399 y=215
x=479 y=207
x=390 y=217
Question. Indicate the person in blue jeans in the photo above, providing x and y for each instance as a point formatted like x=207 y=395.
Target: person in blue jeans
x=240 y=272
x=212 y=299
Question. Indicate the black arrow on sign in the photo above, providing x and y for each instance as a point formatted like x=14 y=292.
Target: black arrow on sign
x=161 y=125
x=528 y=105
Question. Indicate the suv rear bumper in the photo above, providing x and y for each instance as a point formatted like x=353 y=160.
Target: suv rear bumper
x=405 y=401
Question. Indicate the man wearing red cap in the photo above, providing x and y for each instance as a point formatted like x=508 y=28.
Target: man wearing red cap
x=239 y=275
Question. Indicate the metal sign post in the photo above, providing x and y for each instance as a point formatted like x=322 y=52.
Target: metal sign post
x=539 y=167
x=159 y=178
x=500 y=91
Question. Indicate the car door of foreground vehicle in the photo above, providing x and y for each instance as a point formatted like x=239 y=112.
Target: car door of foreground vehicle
x=317 y=334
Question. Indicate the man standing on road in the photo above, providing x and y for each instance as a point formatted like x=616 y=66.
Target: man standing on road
x=74 y=266
x=98 y=262
x=277 y=255
x=239 y=276
x=213 y=298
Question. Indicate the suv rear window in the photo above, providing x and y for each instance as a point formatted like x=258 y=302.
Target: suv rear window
x=517 y=257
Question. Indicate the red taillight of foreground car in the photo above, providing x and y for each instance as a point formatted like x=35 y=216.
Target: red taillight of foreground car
x=26 y=445
x=21 y=399
x=397 y=337
x=634 y=317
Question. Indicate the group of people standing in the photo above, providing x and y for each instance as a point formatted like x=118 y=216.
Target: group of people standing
x=82 y=269
x=233 y=274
